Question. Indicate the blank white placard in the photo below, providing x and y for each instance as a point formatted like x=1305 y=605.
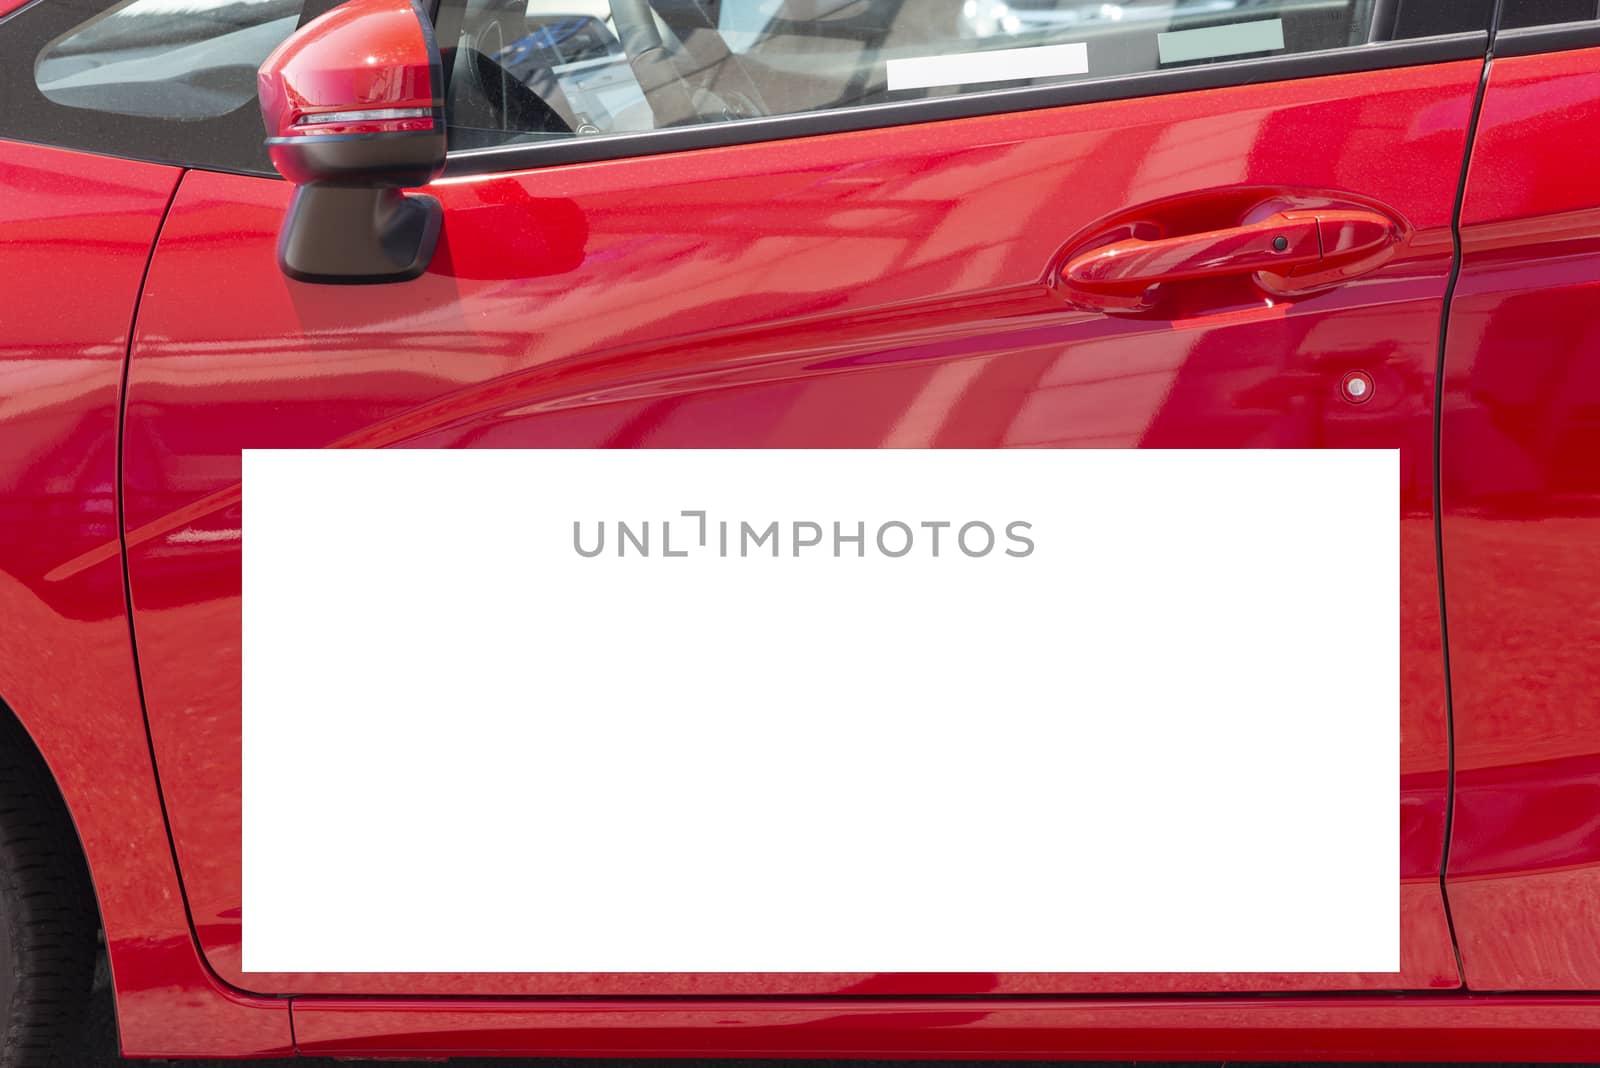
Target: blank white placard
x=1164 y=740
x=992 y=65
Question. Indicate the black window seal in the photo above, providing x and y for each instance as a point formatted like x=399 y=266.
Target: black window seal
x=1536 y=40
x=1355 y=60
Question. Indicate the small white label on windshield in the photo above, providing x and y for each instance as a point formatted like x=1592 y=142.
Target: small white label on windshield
x=1214 y=42
x=1001 y=65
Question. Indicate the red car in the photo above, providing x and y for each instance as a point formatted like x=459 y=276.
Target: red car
x=795 y=223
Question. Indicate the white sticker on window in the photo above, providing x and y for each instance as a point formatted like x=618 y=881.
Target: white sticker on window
x=1000 y=65
x=1214 y=42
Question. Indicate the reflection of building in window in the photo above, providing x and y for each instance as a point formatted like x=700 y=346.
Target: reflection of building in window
x=175 y=59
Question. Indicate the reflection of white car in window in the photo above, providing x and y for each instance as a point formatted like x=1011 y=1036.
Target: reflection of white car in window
x=1009 y=18
x=991 y=18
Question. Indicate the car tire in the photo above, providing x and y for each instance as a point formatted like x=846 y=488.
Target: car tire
x=48 y=922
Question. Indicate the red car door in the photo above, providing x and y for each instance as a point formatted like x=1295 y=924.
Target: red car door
x=862 y=265
x=1521 y=522
x=76 y=232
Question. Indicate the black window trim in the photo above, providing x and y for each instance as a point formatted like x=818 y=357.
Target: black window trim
x=1350 y=60
x=1536 y=40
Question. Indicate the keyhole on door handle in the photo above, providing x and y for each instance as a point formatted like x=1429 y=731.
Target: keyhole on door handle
x=1289 y=253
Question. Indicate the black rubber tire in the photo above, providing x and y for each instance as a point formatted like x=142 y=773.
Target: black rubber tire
x=49 y=926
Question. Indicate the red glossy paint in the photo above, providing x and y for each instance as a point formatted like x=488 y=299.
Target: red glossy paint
x=1521 y=496
x=1449 y=1028
x=357 y=61
x=76 y=224
x=909 y=287
x=893 y=288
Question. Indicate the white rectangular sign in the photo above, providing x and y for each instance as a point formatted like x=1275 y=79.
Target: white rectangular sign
x=992 y=65
x=821 y=711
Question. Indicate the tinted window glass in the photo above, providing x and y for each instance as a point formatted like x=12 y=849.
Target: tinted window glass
x=166 y=80
x=530 y=70
x=1546 y=12
x=1405 y=19
x=178 y=59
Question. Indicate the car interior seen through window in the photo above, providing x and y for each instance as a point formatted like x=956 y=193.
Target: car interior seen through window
x=174 y=80
x=530 y=70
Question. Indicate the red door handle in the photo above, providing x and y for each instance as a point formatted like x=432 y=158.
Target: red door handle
x=1291 y=251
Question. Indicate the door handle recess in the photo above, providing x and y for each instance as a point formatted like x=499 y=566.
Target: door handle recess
x=1289 y=252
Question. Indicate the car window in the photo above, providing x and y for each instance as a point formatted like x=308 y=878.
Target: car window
x=539 y=70
x=178 y=59
x=1521 y=13
x=172 y=81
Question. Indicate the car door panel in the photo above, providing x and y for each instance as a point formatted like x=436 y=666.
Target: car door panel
x=76 y=234
x=883 y=288
x=1521 y=528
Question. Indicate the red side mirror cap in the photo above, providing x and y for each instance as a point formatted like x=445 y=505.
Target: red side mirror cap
x=352 y=97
